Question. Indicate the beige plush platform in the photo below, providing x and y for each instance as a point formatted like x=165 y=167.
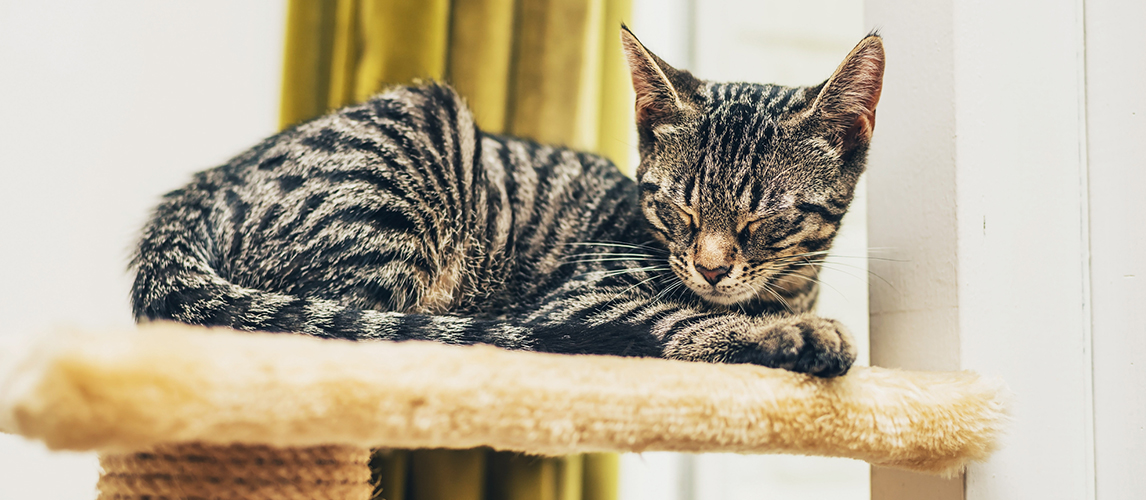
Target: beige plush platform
x=128 y=390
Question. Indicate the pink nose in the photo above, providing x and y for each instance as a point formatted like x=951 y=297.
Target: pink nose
x=712 y=276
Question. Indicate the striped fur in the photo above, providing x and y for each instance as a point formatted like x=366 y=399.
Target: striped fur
x=398 y=219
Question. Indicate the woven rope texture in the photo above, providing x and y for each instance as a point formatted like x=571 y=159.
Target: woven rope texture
x=205 y=472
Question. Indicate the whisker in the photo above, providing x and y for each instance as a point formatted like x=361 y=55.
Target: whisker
x=775 y=294
x=666 y=290
x=614 y=257
x=816 y=281
x=829 y=254
x=826 y=262
x=621 y=259
x=829 y=265
x=639 y=283
x=615 y=254
x=614 y=245
x=867 y=257
x=628 y=271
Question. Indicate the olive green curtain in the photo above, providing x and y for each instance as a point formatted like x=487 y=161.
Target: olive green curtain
x=550 y=70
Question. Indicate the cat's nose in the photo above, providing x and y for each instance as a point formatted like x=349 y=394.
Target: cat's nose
x=712 y=276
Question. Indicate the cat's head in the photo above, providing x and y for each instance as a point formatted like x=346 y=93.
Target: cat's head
x=746 y=183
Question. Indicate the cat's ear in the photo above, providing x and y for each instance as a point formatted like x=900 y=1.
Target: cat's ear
x=664 y=93
x=847 y=101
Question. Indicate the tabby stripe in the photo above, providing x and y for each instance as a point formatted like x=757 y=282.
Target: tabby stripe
x=689 y=187
x=823 y=211
x=503 y=155
x=384 y=218
x=435 y=129
x=463 y=171
x=289 y=183
x=325 y=140
x=268 y=219
x=767 y=98
x=378 y=258
x=361 y=115
x=782 y=102
x=726 y=142
x=273 y=162
x=616 y=313
x=510 y=184
x=311 y=204
x=543 y=207
x=391 y=109
x=375 y=178
x=840 y=204
x=238 y=208
x=765 y=136
x=741 y=183
x=616 y=212
x=792 y=228
x=816 y=245
x=757 y=197
x=442 y=184
x=648 y=310
x=685 y=324
x=396 y=133
x=660 y=230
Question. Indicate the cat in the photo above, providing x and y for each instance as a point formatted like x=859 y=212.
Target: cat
x=398 y=219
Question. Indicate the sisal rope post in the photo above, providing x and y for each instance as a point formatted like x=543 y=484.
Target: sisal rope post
x=199 y=471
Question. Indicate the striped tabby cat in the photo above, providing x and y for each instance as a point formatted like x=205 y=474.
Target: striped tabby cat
x=399 y=219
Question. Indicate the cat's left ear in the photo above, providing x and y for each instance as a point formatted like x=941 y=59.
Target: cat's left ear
x=847 y=102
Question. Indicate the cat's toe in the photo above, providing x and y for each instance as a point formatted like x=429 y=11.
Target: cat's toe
x=807 y=344
x=829 y=349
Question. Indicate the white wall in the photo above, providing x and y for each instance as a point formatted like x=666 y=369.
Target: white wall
x=1013 y=187
x=104 y=107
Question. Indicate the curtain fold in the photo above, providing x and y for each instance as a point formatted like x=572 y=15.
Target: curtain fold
x=307 y=60
x=549 y=70
x=481 y=55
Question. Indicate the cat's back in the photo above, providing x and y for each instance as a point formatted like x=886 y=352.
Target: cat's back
x=402 y=193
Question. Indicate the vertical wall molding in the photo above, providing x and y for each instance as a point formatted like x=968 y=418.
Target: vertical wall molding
x=1084 y=261
x=979 y=181
x=1115 y=180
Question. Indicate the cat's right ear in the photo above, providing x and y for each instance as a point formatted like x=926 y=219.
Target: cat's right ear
x=847 y=102
x=663 y=92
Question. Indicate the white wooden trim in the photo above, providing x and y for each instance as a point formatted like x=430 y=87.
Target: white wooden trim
x=977 y=181
x=1090 y=465
x=1116 y=181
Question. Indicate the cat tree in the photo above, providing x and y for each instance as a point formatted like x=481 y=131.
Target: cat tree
x=184 y=412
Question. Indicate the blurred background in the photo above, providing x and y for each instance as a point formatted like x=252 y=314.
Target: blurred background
x=107 y=105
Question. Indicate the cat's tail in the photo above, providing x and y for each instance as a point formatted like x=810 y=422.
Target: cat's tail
x=177 y=278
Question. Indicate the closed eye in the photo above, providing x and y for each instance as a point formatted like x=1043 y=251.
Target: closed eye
x=749 y=227
x=688 y=215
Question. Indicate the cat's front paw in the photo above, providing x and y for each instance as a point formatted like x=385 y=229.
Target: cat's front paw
x=804 y=343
